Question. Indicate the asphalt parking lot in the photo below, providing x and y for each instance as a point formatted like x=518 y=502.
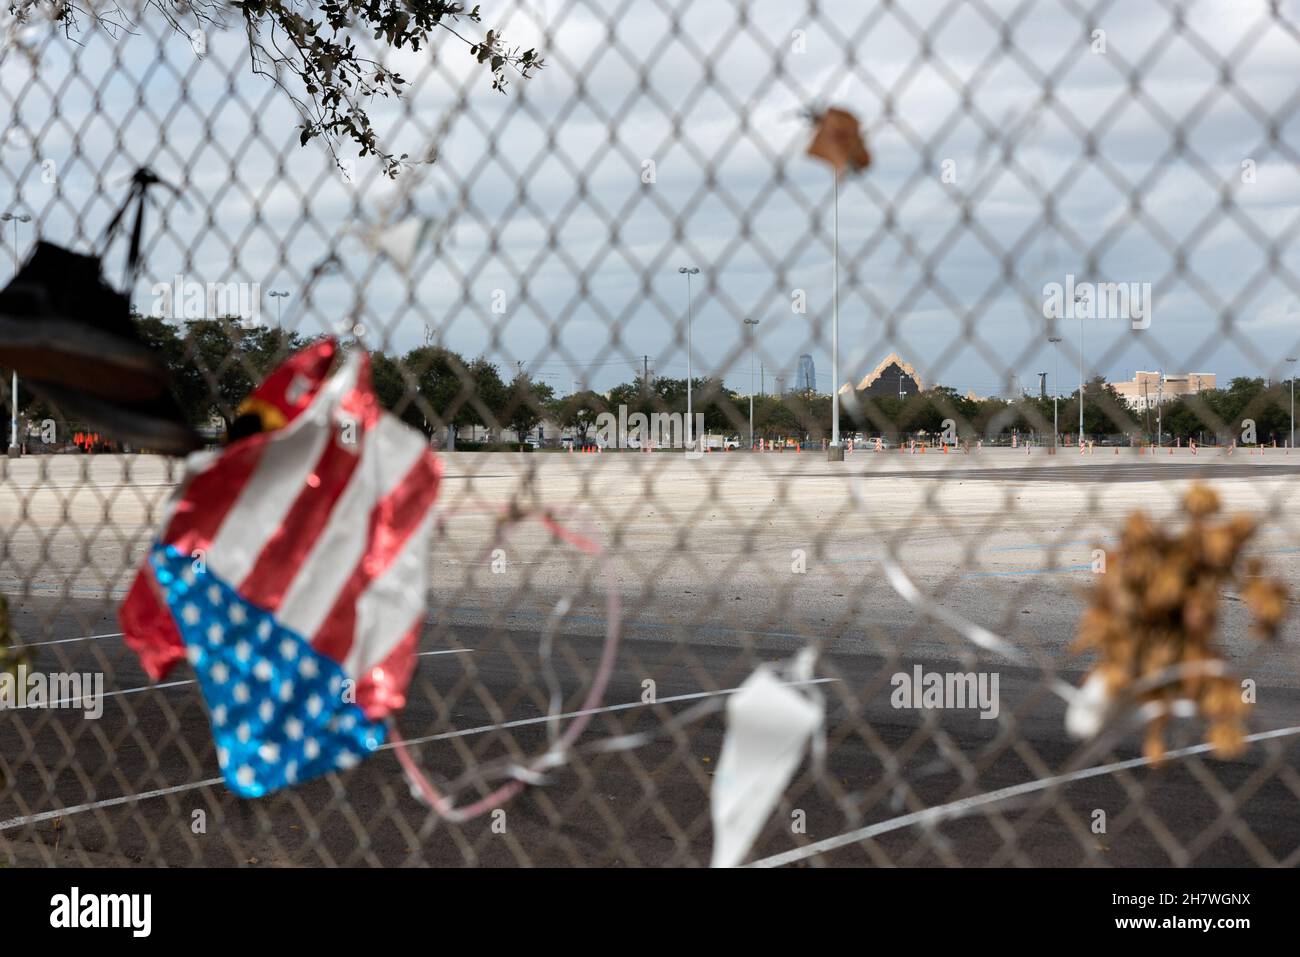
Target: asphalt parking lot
x=720 y=563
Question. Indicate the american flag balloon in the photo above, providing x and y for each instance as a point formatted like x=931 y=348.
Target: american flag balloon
x=292 y=571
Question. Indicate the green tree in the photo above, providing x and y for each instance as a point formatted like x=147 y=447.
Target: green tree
x=391 y=387
x=526 y=402
x=308 y=50
x=212 y=377
x=438 y=390
x=486 y=395
x=579 y=411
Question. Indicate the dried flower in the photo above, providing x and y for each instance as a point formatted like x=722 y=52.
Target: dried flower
x=1156 y=608
x=838 y=141
x=12 y=653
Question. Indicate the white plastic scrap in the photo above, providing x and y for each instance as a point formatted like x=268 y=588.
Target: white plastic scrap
x=769 y=724
x=1088 y=709
x=400 y=241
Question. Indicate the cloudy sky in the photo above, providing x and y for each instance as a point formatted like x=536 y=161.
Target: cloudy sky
x=1013 y=145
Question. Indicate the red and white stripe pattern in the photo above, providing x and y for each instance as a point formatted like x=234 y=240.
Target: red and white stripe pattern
x=323 y=522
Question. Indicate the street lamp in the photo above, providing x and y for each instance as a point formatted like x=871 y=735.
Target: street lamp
x=688 y=272
x=835 y=453
x=1079 y=298
x=278 y=296
x=14 y=450
x=1292 y=445
x=1056 y=391
x=753 y=328
x=1160 y=409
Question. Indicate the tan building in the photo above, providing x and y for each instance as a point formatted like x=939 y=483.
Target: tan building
x=1145 y=389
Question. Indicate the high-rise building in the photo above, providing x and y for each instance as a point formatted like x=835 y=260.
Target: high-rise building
x=806 y=379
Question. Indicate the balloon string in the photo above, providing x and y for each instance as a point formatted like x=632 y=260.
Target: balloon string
x=442 y=804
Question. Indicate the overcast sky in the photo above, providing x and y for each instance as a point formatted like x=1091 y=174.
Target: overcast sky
x=539 y=193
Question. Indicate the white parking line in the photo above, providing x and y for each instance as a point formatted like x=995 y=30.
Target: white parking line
x=179 y=788
x=960 y=807
x=106 y=694
x=64 y=641
x=190 y=681
x=111 y=802
x=521 y=722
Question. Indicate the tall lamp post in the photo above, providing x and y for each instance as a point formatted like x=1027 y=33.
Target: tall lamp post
x=279 y=297
x=1160 y=410
x=1080 y=378
x=1056 y=392
x=14 y=449
x=1292 y=359
x=835 y=453
x=688 y=272
x=752 y=325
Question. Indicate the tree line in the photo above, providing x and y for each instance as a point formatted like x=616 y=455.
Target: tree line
x=215 y=363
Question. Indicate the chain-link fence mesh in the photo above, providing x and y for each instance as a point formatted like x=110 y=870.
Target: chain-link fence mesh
x=518 y=263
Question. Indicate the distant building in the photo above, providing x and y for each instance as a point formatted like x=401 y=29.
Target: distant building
x=892 y=377
x=1144 y=390
x=780 y=385
x=806 y=378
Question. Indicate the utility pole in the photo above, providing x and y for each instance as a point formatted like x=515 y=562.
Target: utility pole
x=1081 y=378
x=1292 y=359
x=751 y=325
x=1078 y=297
x=1056 y=392
x=279 y=296
x=688 y=272
x=14 y=448
x=1160 y=393
x=836 y=451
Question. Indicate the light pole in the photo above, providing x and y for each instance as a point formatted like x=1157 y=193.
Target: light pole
x=278 y=297
x=1292 y=359
x=688 y=272
x=1056 y=392
x=753 y=328
x=1080 y=378
x=835 y=453
x=14 y=450
x=1160 y=409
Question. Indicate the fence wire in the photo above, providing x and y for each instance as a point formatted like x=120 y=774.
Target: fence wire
x=1060 y=196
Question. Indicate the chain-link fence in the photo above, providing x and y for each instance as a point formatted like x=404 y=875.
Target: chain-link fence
x=896 y=416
